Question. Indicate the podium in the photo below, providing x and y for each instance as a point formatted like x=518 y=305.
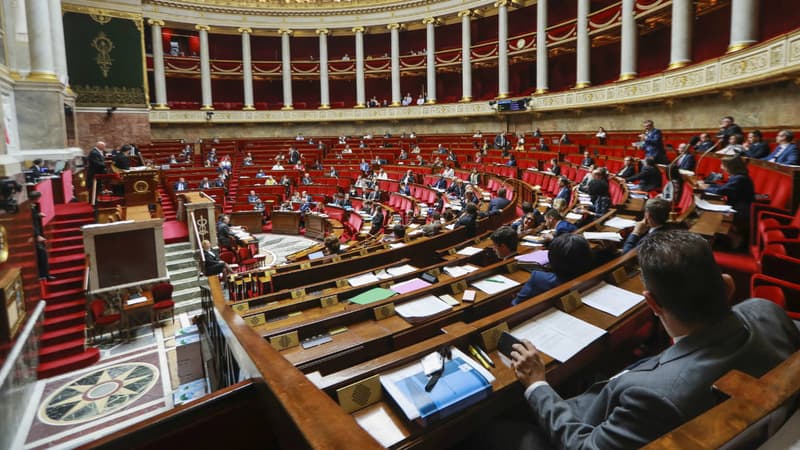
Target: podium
x=316 y=226
x=286 y=222
x=202 y=209
x=141 y=186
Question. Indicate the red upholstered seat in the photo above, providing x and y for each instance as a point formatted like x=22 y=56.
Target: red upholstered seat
x=162 y=300
x=781 y=292
x=102 y=320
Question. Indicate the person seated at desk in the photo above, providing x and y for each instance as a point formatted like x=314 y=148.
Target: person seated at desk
x=252 y=197
x=512 y=160
x=174 y=160
x=332 y=245
x=530 y=223
x=599 y=194
x=404 y=189
x=36 y=169
x=181 y=185
x=277 y=166
x=306 y=180
x=570 y=256
x=398 y=233
x=686 y=290
x=553 y=168
x=555 y=222
x=248 y=160
x=656 y=215
x=564 y=190
x=205 y=184
x=786 y=152
x=468 y=219
x=685 y=159
x=261 y=174
x=470 y=196
x=440 y=183
x=212 y=265
x=504 y=241
x=649 y=178
x=587 y=160
x=497 y=203
x=448 y=171
x=755 y=147
x=220 y=181
x=224 y=235
x=543 y=145
x=734 y=146
x=739 y=191
x=456 y=188
x=377 y=219
x=628 y=168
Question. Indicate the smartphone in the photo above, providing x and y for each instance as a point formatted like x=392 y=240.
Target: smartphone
x=505 y=343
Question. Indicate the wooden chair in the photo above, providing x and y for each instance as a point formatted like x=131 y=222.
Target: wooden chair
x=162 y=301
x=101 y=320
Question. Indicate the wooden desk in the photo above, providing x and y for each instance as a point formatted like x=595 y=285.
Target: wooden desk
x=129 y=310
x=138 y=212
x=285 y=222
x=253 y=220
x=316 y=226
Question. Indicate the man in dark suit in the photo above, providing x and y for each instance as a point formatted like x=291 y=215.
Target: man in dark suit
x=441 y=183
x=121 y=159
x=649 y=177
x=656 y=215
x=688 y=293
x=294 y=155
x=468 y=219
x=628 y=169
x=36 y=169
x=224 y=235
x=652 y=143
x=205 y=184
x=377 y=220
x=685 y=159
x=756 y=147
x=409 y=177
x=42 y=261
x=728 y=128
x=456 y=189
x=500 y=141
x=497 y=203
x=181 y=185
x=786 y=152
x=96 y=161
x=212 y=265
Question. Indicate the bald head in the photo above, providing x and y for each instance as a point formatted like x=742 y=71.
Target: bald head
x=100 y=145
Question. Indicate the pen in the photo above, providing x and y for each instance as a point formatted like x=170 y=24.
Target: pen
x=485 y=355
x=478 y=357
x=492 y=280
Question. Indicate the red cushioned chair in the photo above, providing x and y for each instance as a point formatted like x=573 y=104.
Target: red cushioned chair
x=162 y=301
x=101 y=320
x=782 y=292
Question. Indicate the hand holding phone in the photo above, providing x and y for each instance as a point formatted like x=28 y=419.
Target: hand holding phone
x=506 y=342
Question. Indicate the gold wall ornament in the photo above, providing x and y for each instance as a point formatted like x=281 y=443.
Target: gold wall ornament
x=102 y=19
x=103 y=45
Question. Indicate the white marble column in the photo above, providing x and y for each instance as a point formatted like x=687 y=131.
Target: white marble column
x=40 y=41
x=59 y=47
x=502 y=48
x=361 y=101
x=286 y=68
x=159 y=75
x=744 y=24
x=542 y=85
x=583 y=77
x=627 y=66
x=394 y=29
x=205 y=68
x=681 y=39
x=430 y=54
x=247 y=70
x=324 y=81
x=466 y=56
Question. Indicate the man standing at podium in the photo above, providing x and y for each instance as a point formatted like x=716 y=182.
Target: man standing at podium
x=96 y=164
x=686 y=290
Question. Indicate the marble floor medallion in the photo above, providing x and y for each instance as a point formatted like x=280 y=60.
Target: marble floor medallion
x=98 y=393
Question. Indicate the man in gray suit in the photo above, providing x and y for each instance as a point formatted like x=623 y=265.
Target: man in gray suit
x=686 y=290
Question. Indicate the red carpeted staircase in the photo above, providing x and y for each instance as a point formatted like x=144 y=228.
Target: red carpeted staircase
x=167 y=207
x=63 y=343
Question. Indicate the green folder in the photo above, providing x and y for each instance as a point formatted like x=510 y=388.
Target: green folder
x=373 y=295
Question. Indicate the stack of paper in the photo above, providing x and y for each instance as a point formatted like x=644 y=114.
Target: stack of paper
x=619 y=222
x=421 y=308
x=361 y=280
x=401 y=270
x=469 y=251
x=379 y=424
x=558 y=334
x=574 y=216
x=603 y=236
x=708 y=206
x=541 y=257
x=413 y=284
x=457 y=271
x=495 y=284
x=611 y=299
x=372 y=295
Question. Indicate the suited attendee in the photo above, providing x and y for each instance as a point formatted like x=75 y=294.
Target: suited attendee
x=294 y=155
x=649 y=178
x=505 y=241
x=372 y=194
x=438 y=202
x=181 y=185
x=212 y=265
x=498 y=202
x=377 y=219
x=656 y=215
x=704 y=143
x=205 y=184
x=474 y=177
x=39 y=241
x=786 y=151
x=728 y=128
x=409 y=177
x=96 y=160
x=755 y=147
x=555 y=222
x=501 y=141
x=599 y=192
x=685 y=159
x=652 y=143
x=563 y=189
x=252 y=197
x=224 y=235
x=121 y=159
x=587 y=160
x=306 y=179
x=739 y=191
x=554 y=168
x=569 y=256
x=36 y=169
x=686 y=290
x=440 y=183
x=468 y=219
x=628 y=168
x=456 y=188
x=512 y=160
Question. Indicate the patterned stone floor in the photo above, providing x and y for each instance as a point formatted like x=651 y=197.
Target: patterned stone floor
x=282 y=245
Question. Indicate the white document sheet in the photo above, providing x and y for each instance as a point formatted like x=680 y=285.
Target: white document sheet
x=457 y=271
x=611 y=299
x=619 y=222
x=469 y=251
x=558 y=334
x=574 y=216
x=361 y=280
x=380 y=426
x=422 y=307
x=603 y=236
x=494 y=284
x=401 y=270
x=708 y=206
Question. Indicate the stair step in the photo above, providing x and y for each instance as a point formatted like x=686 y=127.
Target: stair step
x=177 y=247
x=64 y=320
x=64 y=307
x=64 y=283
x=68 y=272
x=64 y=293
x=66 y=249
x=62 y=350
x=66 y=240
x=62 y=335
x=70 y=223
x=68 y=364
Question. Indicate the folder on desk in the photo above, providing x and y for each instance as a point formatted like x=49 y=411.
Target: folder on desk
x=463 y=383
x=373 y=295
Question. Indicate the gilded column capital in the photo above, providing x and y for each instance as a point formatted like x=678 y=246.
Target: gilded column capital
x=158 y=22
x=358 y=29
x=429 y=20
x=283 y=31
x=202 y=28
x=394 y=26
x=247 y=30
x=500 y=3
x=466 y=13
x=322 y=31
